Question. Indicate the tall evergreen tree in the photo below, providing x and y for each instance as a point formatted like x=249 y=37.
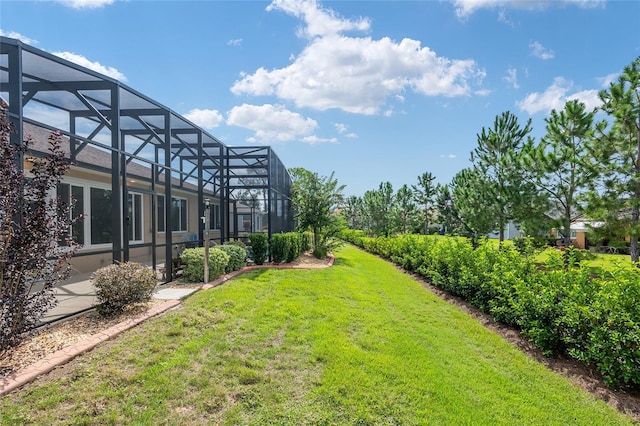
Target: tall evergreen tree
x=473 y=210
x=615 y=198
x=353 y=212
x=424 y=194
x=405 y=211
x=378 y=205
x=497 y=158
x=558 y=166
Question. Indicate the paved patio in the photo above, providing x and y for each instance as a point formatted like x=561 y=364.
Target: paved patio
x=78 y=294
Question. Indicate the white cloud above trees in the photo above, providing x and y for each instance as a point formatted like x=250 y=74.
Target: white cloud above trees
x=355 y=74
x=271 y=123
x=556 y=96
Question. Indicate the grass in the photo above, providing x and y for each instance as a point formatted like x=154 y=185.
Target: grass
x=597 y=261
x=358 y=343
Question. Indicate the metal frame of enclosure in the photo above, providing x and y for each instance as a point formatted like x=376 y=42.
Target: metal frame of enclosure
x=144 y=140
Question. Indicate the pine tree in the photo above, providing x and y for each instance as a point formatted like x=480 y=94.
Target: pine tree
x=497 y=158
x=615 y=197
x=558 y=166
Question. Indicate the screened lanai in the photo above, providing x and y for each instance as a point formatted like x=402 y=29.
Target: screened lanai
x=146 y=179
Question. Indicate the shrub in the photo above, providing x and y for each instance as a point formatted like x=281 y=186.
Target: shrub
x=560 y=306
x=237 y=256
x=259 y=248
x=32 y=226
x=280 y=245
x=287 y=247
x=194 y=263
x=120 y=285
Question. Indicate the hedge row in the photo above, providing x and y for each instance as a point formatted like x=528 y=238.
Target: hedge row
x=287 y=247
x=595 y=319
x=283 y=247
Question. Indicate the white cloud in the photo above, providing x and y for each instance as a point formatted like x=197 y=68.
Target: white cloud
x=86 y=4
x=355 y=74
x=512 y=78
x=235 y=42
x=358 y=74
x=556 y=96
x=319 y=21
x=207 y=118
x=314 y=140
x=448 y=156
x=539 y=51
x=608 y=79
x=271 y=123
x=465 y=8
x=18 y=36
x=96 y=66
x=343 y=129
x=340 y=127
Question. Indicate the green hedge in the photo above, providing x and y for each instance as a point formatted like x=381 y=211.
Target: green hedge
x=287 y=247
x=237 y=256
x=595 y=319
x=259 y=248
x=194 y=263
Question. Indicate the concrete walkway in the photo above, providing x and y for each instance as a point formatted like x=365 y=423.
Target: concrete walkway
x=78 y=294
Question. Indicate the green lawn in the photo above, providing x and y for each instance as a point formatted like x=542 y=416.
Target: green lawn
x=602 y=261
x=357 y=343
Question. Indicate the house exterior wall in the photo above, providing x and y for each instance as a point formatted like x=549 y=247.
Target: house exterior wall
x=91 y=257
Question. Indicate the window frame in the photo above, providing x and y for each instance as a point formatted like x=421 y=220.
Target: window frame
x=162 y=208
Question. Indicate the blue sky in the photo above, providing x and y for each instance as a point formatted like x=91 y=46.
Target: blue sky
x=371 y=90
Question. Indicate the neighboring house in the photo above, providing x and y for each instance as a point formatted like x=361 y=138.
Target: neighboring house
x=142 y=175
x=511 y=231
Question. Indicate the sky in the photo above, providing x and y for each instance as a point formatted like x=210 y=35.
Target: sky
x=372 y=91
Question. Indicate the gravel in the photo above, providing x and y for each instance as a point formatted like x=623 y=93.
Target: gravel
x=51 y=338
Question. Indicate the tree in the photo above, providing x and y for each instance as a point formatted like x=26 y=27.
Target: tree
x=378 y=205
x=353 y=212
x=315 y=200
x=424 y=193
x=405 y=212
x=496 y=157
x=470 y=210
x=615 y=196
x=35 y=240
x=558 y=166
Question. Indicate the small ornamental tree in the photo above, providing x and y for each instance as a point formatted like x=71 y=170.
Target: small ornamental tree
x=35 y=244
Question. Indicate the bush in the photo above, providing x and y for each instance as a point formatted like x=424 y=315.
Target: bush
x=287 y=247
x=259 y=248
x=562 y=310
x=120 y=285
x=280 y=245
x=237 y=256
x=34 y=250
x=194 y=264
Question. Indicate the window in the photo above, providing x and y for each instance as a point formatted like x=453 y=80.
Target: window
x=572 y=235
x=214 y=216
x=135 y=217
x=68 y=194
x=244 y=223
x=178 y=214
x=100 y=216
